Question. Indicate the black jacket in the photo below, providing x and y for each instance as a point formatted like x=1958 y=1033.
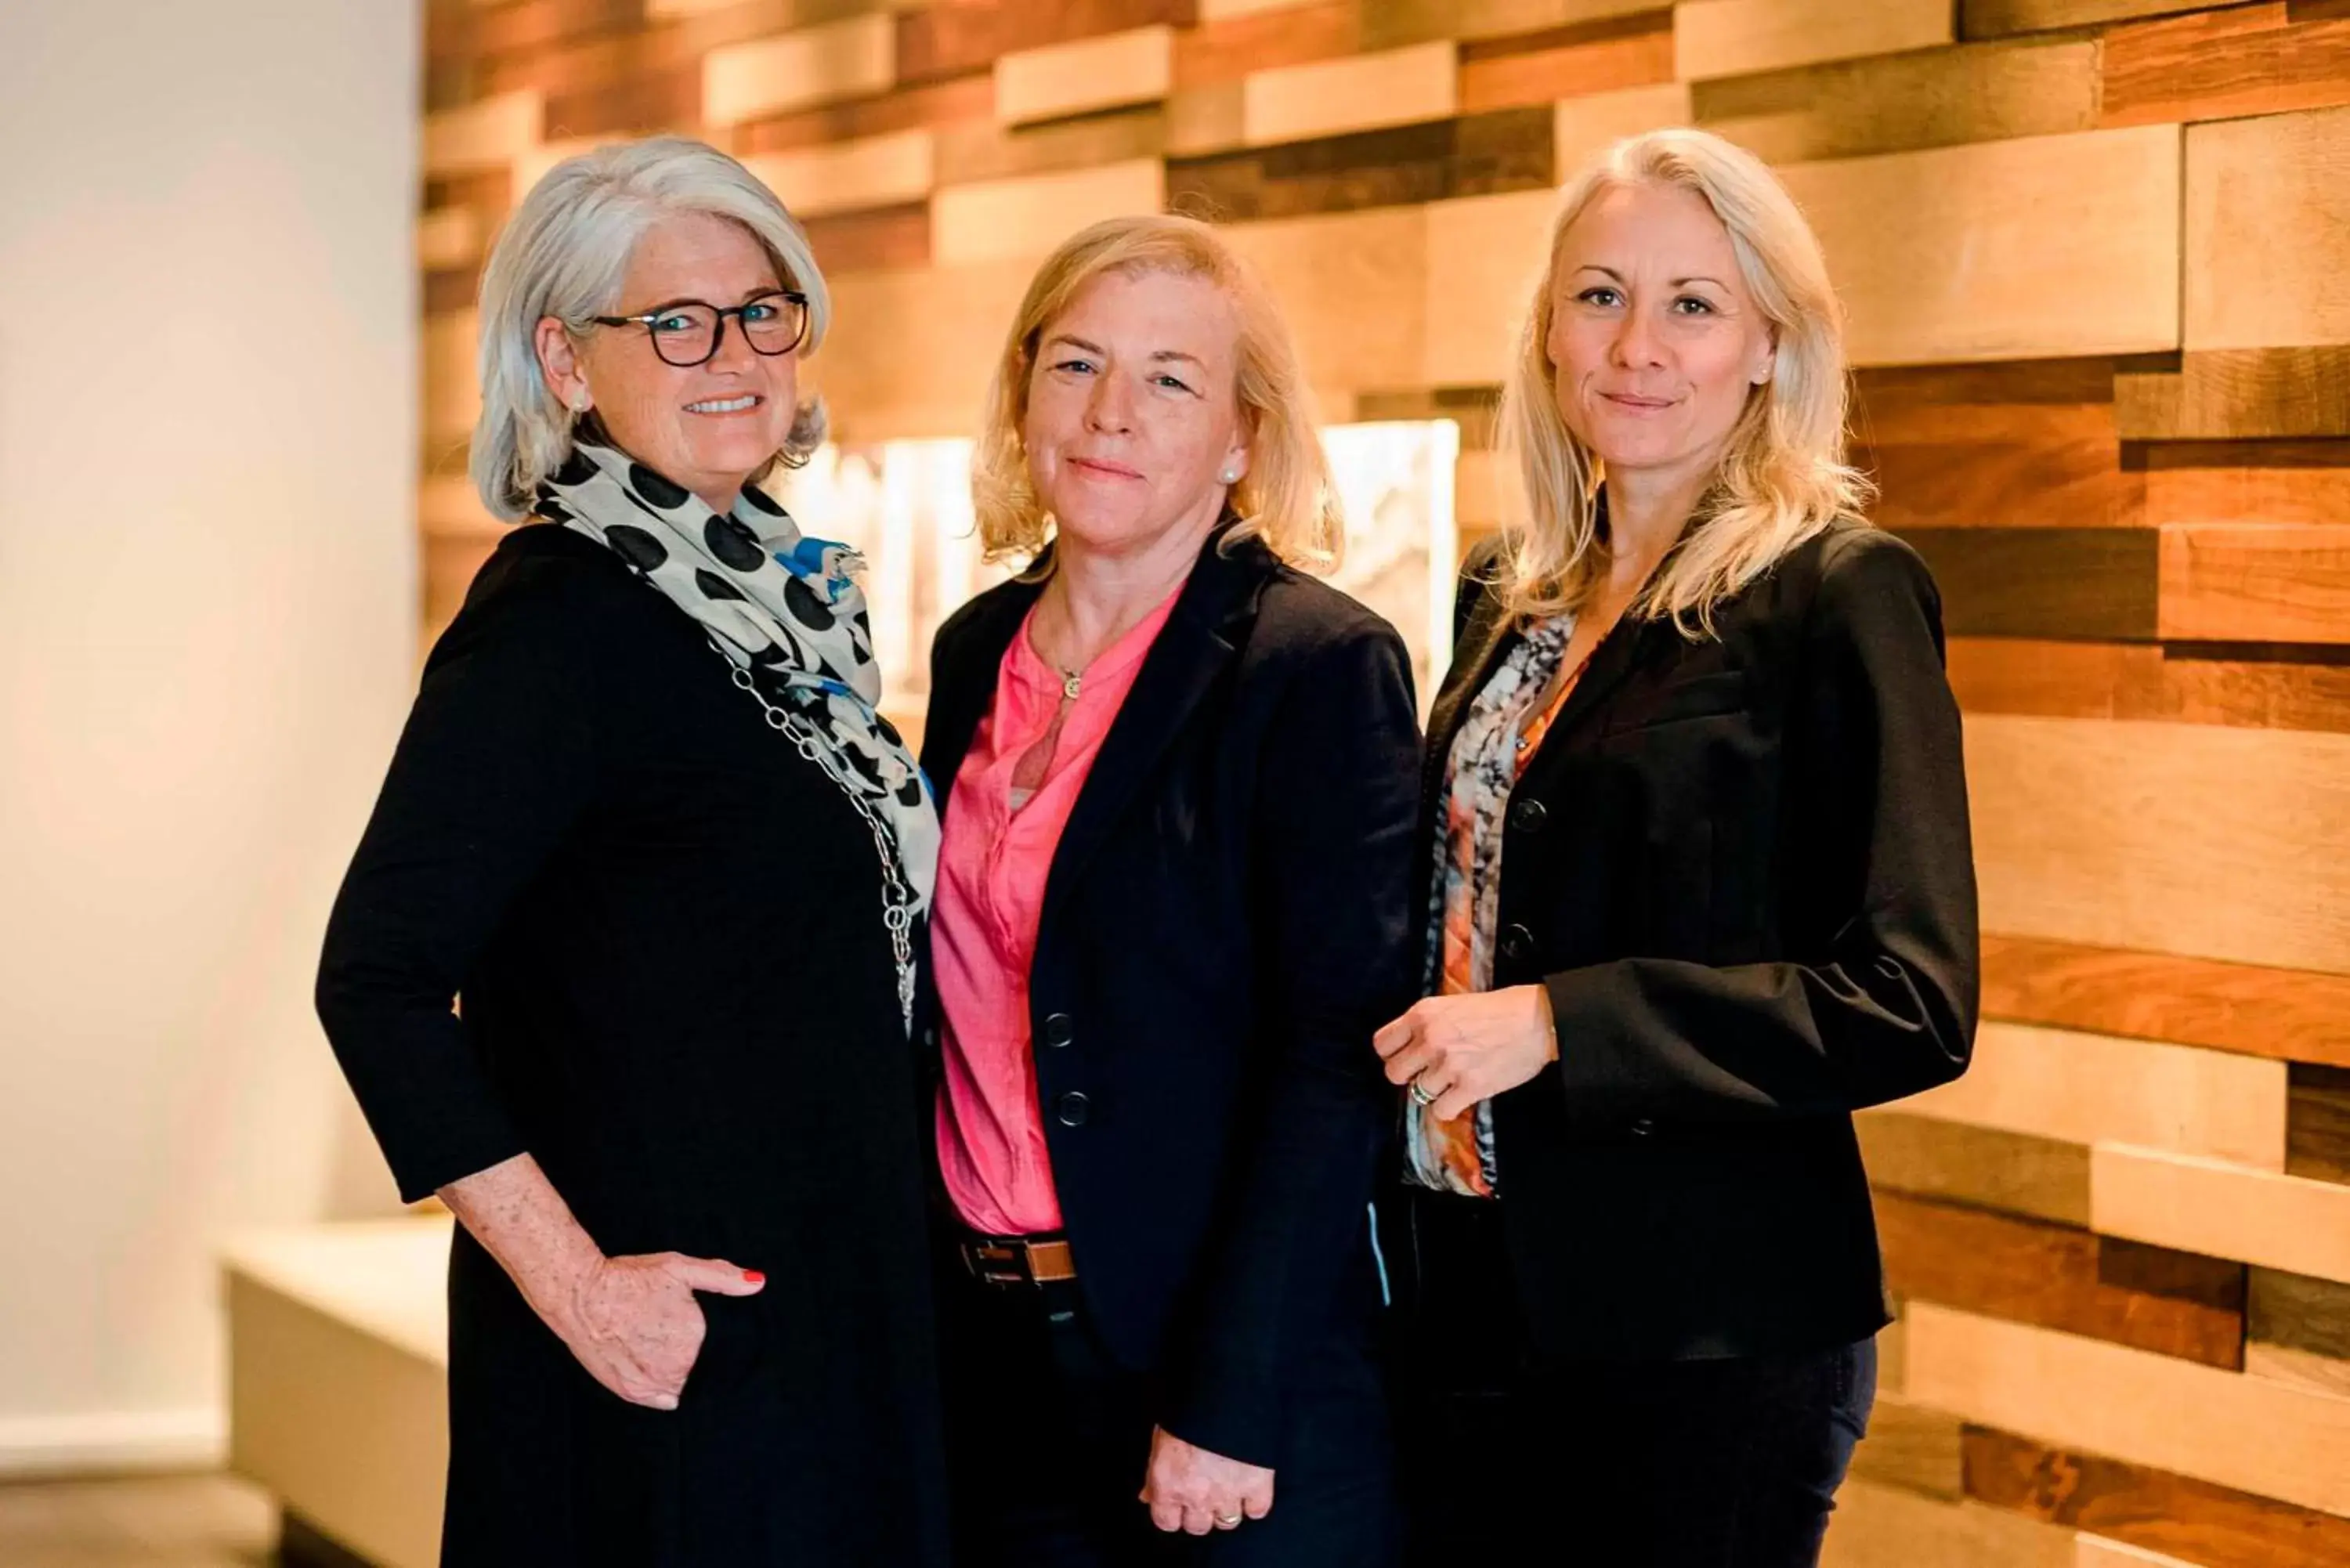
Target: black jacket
x=678 y=996
x=1223 y=929
x=1741 y=867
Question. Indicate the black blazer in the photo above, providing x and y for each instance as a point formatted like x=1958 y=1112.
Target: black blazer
x=1223 y=929
x=1741 y=867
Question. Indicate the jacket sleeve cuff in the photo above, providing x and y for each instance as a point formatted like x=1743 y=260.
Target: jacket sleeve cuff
x=1234 y=1414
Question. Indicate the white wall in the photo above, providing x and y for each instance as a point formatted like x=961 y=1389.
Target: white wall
x=207 y=614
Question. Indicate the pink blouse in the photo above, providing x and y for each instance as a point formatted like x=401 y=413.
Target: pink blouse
x=1010 y=800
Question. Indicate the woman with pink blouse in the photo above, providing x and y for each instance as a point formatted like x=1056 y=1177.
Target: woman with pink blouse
x=1178 y=778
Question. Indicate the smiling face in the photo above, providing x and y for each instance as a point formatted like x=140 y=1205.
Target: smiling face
x=1655 y=342
x=710 y=427
x=1133 y=419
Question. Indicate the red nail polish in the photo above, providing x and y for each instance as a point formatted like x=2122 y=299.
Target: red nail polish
x=752 y=1276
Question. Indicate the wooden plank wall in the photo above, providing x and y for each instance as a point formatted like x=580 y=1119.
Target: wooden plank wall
x=2096 y=255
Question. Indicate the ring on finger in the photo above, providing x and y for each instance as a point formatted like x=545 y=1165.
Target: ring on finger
x=1420 y=1095
x=1229 y=1521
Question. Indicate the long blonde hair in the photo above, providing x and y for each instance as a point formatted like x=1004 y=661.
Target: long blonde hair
x=1286 y=498
x=1783 y=478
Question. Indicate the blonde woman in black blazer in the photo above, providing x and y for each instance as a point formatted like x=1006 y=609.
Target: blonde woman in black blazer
x=1697 y=876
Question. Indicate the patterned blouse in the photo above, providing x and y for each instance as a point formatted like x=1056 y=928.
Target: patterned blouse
x=1503 y=728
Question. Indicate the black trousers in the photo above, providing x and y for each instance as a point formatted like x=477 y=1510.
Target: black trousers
x=1510 y=1463
x=1048 y=1442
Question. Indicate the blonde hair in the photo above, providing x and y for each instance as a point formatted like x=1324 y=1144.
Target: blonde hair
x=565 y=253
x=1782 y=477
x=1286 y=497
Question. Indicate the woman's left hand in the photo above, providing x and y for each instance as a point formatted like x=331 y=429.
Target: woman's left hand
x=1192 y=1489
x=1463 y=1049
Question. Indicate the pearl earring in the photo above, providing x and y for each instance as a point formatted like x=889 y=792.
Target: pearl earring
x=1229 y=477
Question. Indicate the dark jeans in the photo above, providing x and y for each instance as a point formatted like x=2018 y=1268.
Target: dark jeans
x=1508 y=1463
x=1048 y=1442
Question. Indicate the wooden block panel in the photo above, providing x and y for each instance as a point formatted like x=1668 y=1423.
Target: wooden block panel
x=946 y=39
x=1395 y=86
x=1912 y=1447
x=2268 y=204
x=2059 y=1276
x=2139 y=1407
x=2227 y=62
x=1028 y=216
x=2238 y=394
x=2187 y=683
x=2055 y=478
x=1085 y=77
x=2090 y=1088
x=450 y=566
x=1485 y=255
x=1205 y=119
x=452 y=391
x=2317 y=1122
x=1874 y=1525
x=2287 y=1013
x=2095 y=1551
x=948 y=321
x=925 y=106
x=482 y=135
x=1733 y=38
x=2215 y=1526
x=1569 y=62
x=1480 y=154
x=1389 y=23
x=847 y=176
x=2190 y=839
x=451 y=237
x=848 y=58
x=2299 y=1330
x=2015 y=401
x=1224 y=48
x=1224 y=10
x=1991 y=18
x=968 y=151
x=448 y=507
x=1583 y=128
x=2285 y=1222
x=2263 y=482
x=869 y=241
x=2256 y=582
x=2010 y=1172
x=1353 y=288
x=2039 y=247
x=1896 y=103
x=2092 y=583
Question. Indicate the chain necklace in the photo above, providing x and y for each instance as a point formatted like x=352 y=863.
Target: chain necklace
x=897 y=899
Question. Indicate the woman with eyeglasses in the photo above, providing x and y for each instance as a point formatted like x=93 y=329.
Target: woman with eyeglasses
x=623 y=969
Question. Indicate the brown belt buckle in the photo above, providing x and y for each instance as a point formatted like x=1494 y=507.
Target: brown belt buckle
x=1016 y=1263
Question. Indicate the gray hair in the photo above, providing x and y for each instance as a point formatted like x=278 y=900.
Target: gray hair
x=565 y=253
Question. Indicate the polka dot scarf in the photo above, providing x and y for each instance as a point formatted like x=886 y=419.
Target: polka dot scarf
x=783 y=609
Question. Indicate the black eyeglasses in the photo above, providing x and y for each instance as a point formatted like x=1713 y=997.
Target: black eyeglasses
x=687 y=332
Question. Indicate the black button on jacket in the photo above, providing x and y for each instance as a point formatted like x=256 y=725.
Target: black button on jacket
x=1224 y=927
x=1741 y=867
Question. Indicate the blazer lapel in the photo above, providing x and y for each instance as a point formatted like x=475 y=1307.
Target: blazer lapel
x=1611 y=662
x=1199 y=639
x=1482 y=641
x=966 y=687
